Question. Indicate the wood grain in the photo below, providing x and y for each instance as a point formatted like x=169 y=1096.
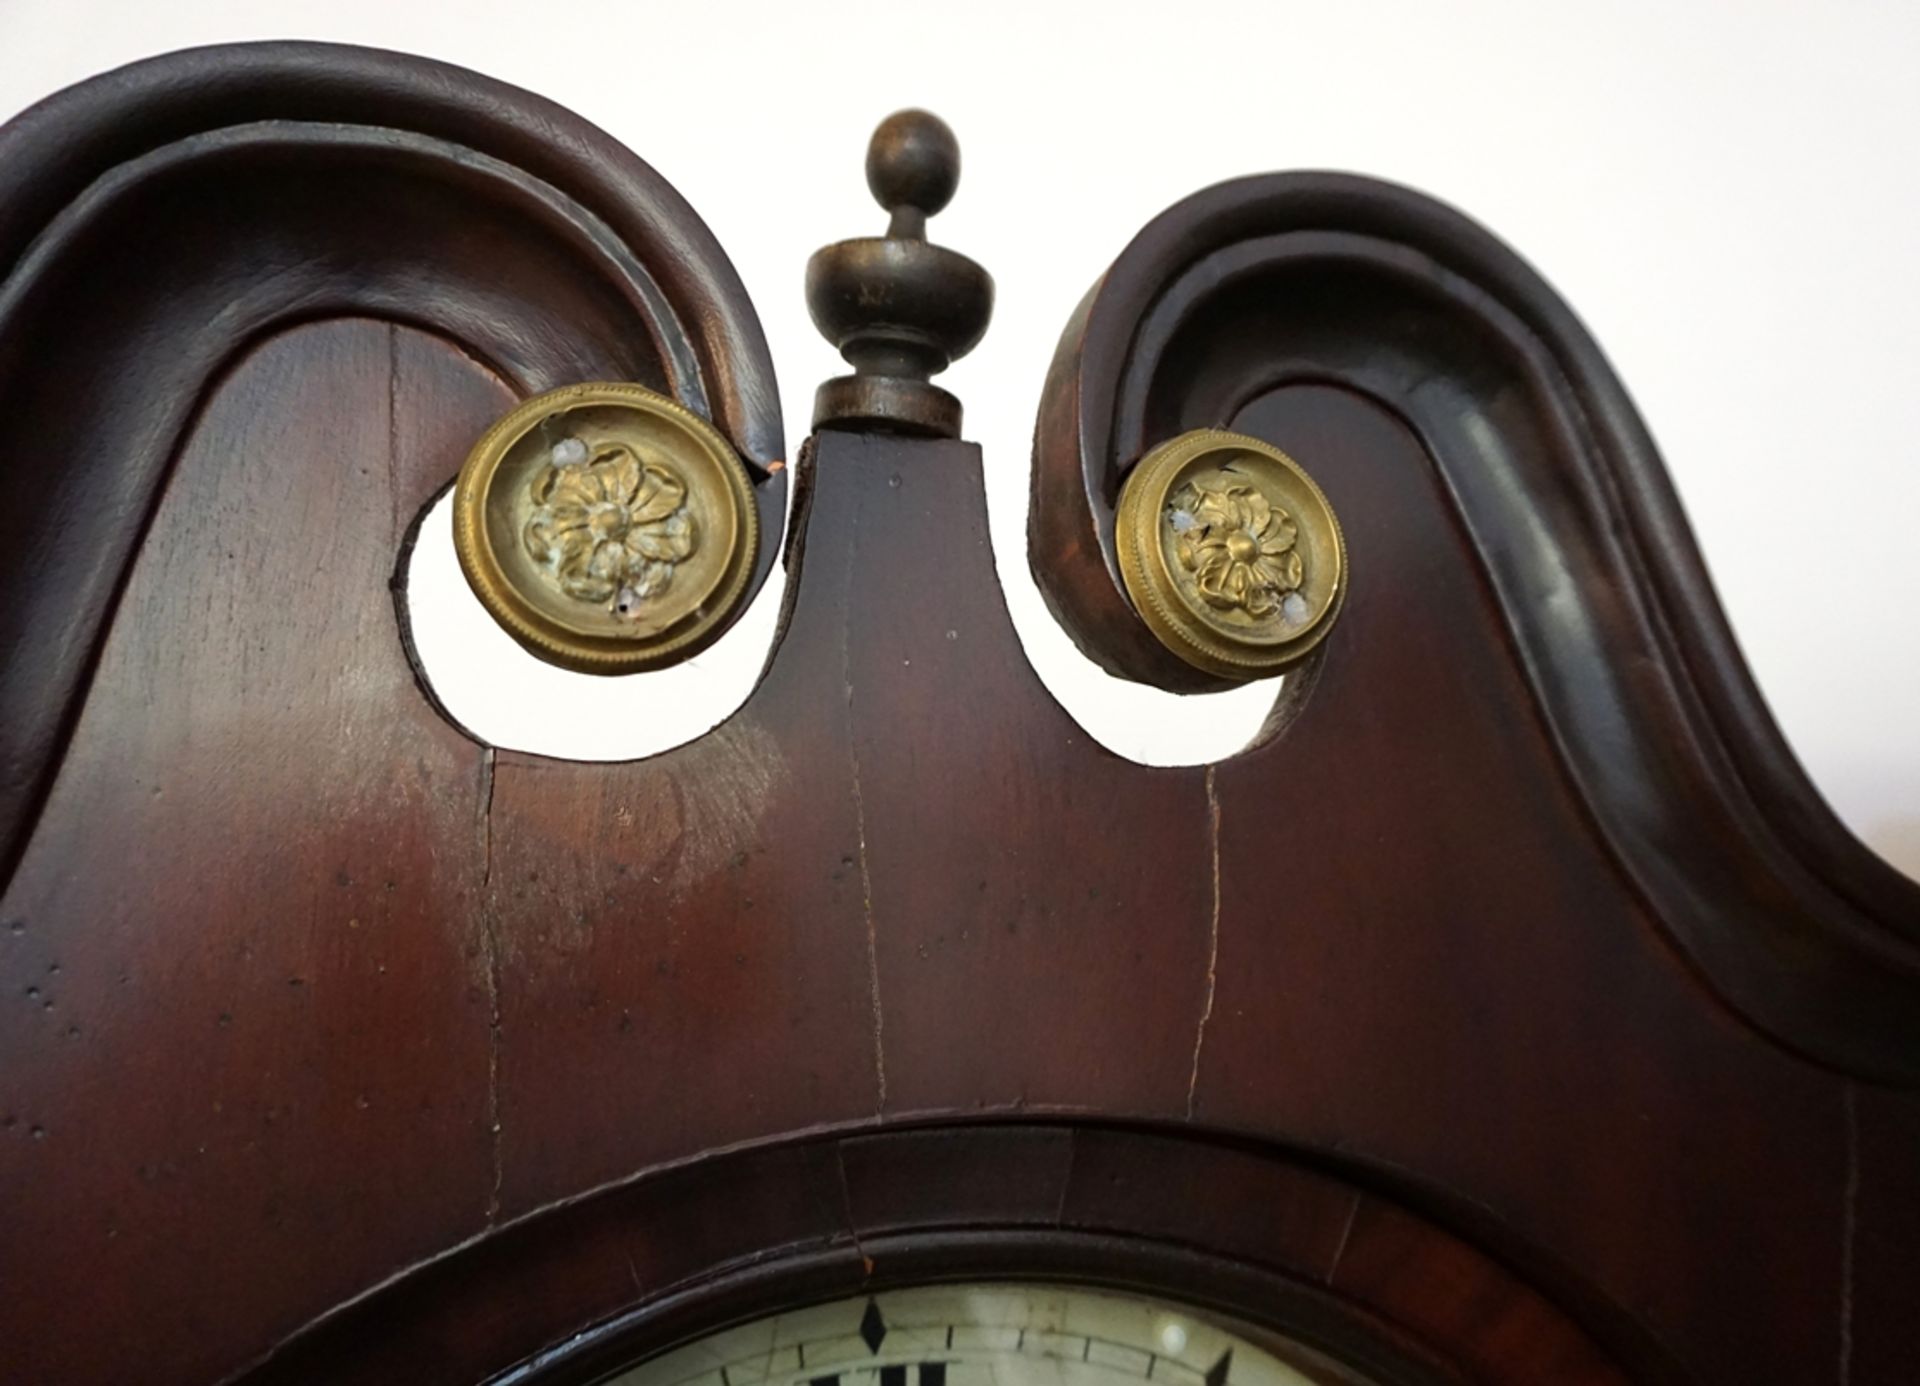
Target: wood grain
x=1498 y=1017
x=1308 y=278
x=1493 y=1033
x=247 y=1035
x=158 y=220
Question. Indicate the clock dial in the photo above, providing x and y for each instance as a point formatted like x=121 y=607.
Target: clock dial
x=991 y=1335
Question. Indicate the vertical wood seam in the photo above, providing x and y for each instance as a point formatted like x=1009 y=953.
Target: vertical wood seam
x=1346 y=1235
x=1213 y=942
x=860 y=823
x=846 y=1207
x=393 y=430
x=490 y=944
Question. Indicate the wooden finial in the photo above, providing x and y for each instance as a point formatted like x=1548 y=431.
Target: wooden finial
x=897 y=308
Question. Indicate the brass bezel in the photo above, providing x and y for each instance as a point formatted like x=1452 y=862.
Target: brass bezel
x=563 y=632
x=1167 y=598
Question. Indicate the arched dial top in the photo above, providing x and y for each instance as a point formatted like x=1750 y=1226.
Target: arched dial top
x=993 y=1333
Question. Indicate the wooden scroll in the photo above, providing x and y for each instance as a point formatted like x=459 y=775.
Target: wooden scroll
x=1512 y=1012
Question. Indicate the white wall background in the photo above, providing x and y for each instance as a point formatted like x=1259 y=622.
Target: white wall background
x=1729 y=194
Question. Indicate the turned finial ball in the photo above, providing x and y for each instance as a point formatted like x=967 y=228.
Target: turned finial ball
x=913 y=160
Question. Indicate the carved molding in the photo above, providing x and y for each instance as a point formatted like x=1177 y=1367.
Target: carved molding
x=348 y=167
x=1263 y=282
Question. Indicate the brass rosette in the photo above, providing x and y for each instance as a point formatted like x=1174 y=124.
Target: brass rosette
x=1230 y=553
x=608 y=528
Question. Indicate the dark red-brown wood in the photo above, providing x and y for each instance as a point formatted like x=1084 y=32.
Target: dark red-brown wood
x=157 y=221
x=1251 y=1232
x=337 y=1046
x=1307 y=278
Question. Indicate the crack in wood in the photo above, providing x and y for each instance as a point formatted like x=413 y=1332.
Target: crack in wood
x=393 y=428
x=860 y=826
x=1346 y=1234
x=1213 y=942
x=846 y=1210
x=490 y=945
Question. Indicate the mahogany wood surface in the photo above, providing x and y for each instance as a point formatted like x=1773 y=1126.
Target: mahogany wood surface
x=337 y=1046
x=1321 y=278
x=157 y=221
x=757 y=1230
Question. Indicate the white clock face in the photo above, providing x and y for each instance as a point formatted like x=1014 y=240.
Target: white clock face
x=988 y=1335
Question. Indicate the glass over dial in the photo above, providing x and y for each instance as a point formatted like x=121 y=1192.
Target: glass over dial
x=991 y=1335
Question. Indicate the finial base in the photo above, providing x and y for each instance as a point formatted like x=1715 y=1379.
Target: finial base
x=886 y=403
